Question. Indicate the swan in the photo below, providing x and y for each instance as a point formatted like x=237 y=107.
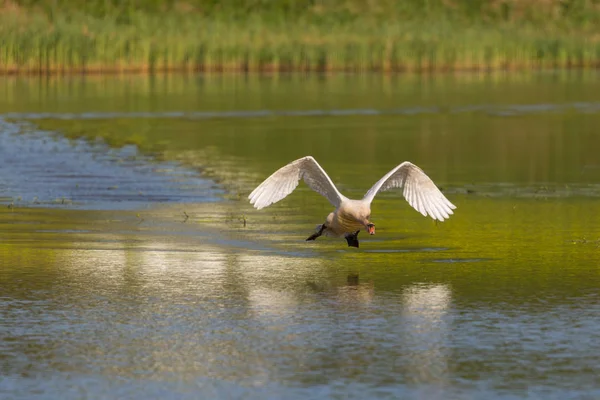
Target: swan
x=350 y=216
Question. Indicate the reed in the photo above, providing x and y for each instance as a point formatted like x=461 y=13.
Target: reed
x=309 y=35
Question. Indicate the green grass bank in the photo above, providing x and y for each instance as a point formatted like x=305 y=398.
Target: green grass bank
x=96 y=36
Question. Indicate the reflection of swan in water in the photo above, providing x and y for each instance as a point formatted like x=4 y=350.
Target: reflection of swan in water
x=278 y=286
x=275 y=284
x=227 y=305
x=350 y=216
x=425 y=328
x=265 y=283
x=355 y=293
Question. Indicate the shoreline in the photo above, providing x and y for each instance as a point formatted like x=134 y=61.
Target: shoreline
x=112 y=71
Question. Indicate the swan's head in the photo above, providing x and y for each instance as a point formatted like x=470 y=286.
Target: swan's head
x=370 y=228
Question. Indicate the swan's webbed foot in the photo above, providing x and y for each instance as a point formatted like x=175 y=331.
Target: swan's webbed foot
x=352 y=239
x=317 y=234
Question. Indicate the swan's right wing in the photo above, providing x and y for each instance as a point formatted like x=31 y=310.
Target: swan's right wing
x=286 y=179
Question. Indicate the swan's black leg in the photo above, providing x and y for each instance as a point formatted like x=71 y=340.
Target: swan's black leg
x=352 y=239
x=317 y=234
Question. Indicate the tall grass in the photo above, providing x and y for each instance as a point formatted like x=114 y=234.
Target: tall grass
x=107 y=36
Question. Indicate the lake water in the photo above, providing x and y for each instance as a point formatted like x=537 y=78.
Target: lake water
x=133 y=266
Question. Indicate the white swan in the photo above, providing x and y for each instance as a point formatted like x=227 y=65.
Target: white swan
x=350 y=216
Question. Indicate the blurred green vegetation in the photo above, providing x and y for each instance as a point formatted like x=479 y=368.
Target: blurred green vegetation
x=238 y=35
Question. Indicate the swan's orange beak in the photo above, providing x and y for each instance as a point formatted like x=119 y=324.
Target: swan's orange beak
x=371 y=229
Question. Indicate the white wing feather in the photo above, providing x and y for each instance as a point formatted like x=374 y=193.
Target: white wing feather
x=286 y=179
x=419 y=190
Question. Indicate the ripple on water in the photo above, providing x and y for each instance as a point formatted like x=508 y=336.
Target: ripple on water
x=41 y=168
x=408 y=250
x=459 y=260
x=507 y=110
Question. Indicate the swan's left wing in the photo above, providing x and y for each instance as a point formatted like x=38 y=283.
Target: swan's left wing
x=419 y=190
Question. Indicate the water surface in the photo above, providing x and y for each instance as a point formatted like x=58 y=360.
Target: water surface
x=133 y=266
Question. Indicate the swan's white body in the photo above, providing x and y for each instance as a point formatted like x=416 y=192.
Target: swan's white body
x=350 y=216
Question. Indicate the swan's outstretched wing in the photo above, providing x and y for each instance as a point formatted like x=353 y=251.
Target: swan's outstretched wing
x=419 y=190
x=286 y=179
